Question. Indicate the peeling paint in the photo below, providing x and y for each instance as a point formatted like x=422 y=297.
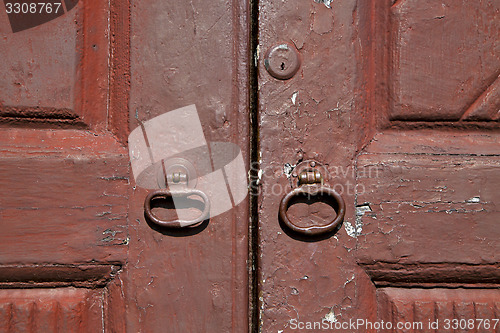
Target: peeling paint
x=362 y=209
x=330 y=317
x=287 y=169
x=257 y=55
x=259 y=176
x=353 y=231
x=294 y=97
x=327 y=3
x=476 y=199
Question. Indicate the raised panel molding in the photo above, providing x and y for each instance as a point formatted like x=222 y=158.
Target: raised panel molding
x=41 y=115
x=438 y=275
x=51 y=310
x=56 y=74
x=487 y=106
x=61 y=298
x=38 y=276
x=453 y=78
x=426 y=297
x=434 y=309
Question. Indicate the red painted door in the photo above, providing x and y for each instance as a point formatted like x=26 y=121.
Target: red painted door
x=399 y=100
x=76 y=251
x=63 y=166
x=396 y=103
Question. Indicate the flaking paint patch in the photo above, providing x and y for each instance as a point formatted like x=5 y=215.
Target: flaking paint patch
x=476 y=199
x=294 y=97
x=353 y=231
x=288 y=169
x=259 y=176
x=327 y=3
x=360 y=211
x=257 y=55
x=330 y=317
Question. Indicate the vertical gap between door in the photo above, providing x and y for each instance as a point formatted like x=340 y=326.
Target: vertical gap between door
x=254 y=306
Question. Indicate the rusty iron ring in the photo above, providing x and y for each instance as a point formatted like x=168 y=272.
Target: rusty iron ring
x=164 y=193
x=313 y=190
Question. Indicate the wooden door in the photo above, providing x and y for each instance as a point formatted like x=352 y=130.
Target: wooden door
x=76 y=251
x=399 y=100
x=63 y=166
x=184 y=53
x=395 y=101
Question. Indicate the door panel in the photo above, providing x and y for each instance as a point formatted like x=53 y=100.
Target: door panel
x=447 y=219
x=184 y=53
x=64 y=198
x=399 y=101
x=56 y=75
x=432 y=218
x=445 y=77
x=310 y=116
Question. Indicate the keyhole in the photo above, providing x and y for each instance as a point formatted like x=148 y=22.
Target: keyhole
x=282 y=66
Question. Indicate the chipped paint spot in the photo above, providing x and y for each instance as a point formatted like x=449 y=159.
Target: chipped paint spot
x=353 y=231
x=362 y=209
x=330 y=317
x=282 y=47
x=257 y=55
x=327 y=3
x=474 y=199
x=294 y=97
x=287 y=169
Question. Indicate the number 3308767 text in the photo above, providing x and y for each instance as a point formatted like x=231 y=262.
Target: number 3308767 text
x=33 y=7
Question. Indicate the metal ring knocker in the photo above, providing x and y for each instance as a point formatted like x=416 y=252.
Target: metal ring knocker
x=179 y=223
x=180 y=176
x=311 y=185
